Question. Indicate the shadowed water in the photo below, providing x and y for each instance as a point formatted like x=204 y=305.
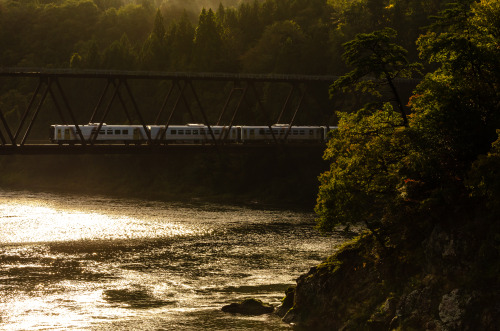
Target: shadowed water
x=97 y=263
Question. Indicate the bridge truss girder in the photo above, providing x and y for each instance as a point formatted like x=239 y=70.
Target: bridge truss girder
x=117 y=84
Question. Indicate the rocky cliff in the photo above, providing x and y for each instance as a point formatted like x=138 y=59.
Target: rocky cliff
x=448 y=281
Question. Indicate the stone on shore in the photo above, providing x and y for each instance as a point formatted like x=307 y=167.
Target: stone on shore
x=249 y=307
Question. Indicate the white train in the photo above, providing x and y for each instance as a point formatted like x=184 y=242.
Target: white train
x=186 y=134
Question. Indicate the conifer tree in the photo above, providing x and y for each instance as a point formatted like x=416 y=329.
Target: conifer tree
x=207 y=43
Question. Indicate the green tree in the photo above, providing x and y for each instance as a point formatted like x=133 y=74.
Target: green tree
x=279 y=50
x=402 y=177
x=159 y=26
x=378 y=61
x=179 y=39
x=154 y=54
x=133 y=20
x=76 y=61
x=120 y=55
x=364 y=154
x=456 y=108
x=92 y=58
x=207 y=43
x=231 y=37
x=249 y=22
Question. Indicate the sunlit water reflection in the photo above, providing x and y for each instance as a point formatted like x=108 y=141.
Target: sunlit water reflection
x=97 y=263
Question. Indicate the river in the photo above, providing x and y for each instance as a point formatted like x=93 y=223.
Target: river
x=98 y=263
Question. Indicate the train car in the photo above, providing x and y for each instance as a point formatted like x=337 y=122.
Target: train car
x=194 y=134
x=188 y=134
x=282 y=132
x=66 y=134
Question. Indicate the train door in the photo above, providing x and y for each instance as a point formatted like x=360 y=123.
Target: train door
x=137 y=134
x=238 y=134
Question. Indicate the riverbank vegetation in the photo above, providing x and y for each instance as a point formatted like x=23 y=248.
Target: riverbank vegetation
x=426 y=189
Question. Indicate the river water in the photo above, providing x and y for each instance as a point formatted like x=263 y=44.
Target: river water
x=97 y=263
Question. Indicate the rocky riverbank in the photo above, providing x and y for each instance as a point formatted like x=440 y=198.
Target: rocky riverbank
x=448 y=281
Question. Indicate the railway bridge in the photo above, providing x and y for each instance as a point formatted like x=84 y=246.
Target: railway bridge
x=33 y=99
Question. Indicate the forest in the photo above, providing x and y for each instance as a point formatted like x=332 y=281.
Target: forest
x=271 y=36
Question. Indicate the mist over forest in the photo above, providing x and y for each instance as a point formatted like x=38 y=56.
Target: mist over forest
x=175 y=8
x=268 y=36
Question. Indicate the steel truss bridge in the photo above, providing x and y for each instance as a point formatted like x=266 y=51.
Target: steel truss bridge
x=15 y=137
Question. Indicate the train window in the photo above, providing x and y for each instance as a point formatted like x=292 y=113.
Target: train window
x=102 y=132
x=301 y=132
x=202 y=131
x=180 y=132
x=173 y=131
x=66 y=131
x=216 y=131
x=295 y=132
x=109 y=132
x=195 y=131
x=311 y=132
x=117 y=131
x=275 y=131
x=125 y=132
x=252 y=131
x=262 y=131
x=188 y=131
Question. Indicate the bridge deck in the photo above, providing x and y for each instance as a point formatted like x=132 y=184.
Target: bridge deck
x=49 y=149
x=210 y=76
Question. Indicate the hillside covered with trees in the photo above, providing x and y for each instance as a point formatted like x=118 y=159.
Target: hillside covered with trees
x=271 y=36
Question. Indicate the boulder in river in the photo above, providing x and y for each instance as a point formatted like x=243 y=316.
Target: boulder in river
x=249 y=307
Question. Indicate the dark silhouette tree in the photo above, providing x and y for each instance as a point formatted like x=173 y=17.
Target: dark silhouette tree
x=120 y=55
x=279 y=50
x=179 y=39
x=154 y=54
x=377 y=62
x=207 y=43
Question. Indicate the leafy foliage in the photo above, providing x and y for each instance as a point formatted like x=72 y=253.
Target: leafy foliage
x=362 y=181
x=377 y=61
x=207 y=43
x=434 y=170
x=483 y=180
x=280 y=50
